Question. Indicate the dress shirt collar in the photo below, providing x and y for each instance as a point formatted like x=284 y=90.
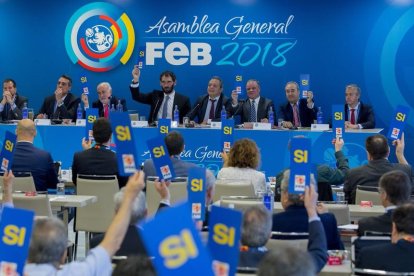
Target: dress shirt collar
x=356 y=107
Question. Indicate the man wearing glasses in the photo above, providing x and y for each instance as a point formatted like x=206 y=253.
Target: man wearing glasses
x=62 y=104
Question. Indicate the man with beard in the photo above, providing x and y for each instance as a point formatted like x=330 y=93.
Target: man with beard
x=162 y=102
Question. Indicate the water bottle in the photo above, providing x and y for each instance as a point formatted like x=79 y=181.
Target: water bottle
x=79 y=112
x=271 y=116
x=25 y=111
x=176 y=114
x=268 y=198
x=319 y=116
x=223 y=113
x=119 y=107
x=112 y=108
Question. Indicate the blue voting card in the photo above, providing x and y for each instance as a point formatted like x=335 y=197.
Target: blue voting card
x=196 y=189
x=338 y=121
x=398 y=122
x=227 y=134
x=16 y=229
x=300 y=165
x=91 y=115
x=174 y=242
x=304 y=85
x=161 y=158
x=6 y=155
x=238 y=83
x=141 y=56
x=125 y=146
x=223 y=239
x=164 y=126
x=84 y=82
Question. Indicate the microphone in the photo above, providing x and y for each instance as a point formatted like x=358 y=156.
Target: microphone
x=155 y=108
x=190 y=114
x=241 y=103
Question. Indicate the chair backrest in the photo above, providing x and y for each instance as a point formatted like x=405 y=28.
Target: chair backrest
x=341 y=213
x=357 y=243
x=240 y=203
x=233 y=187
x=23 y=181
x=178 y=192
x=288 y=239
x=97 y=216
x=40 y=204
x=371 y=194
x=366 y=271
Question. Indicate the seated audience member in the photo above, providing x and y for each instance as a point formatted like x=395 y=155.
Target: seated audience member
x=7 y=200
x=135 y=265
x=396 y=256
x=255 y=108
x=295 y=217
x=47 y=250
x=28 y=158
x=62 y=104
x=105 y=100
x=11 y=104
x=162 y=102
x=395 y=190
x=98 y=159
x=357 y=114
x=378 y=164
x=208 y=107
x=293 y=261
x=132 y=243
x=297 y=112
x=174 y=142
x=242 y=163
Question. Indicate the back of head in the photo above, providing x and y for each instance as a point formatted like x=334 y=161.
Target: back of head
x=397 y=185
x=102 y=130
x=244 y=154
x=134 y=265
x=49 y=241
x=174 y=142
x=403 y=217
x=138 y=208
x=25 y=130
x=377 y=146
x=257 y=226
x=295 y=199
x=287 y=262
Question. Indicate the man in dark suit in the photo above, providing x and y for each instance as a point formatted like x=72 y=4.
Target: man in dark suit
x=297 y=112
x=208 y=107
x=255 y=108
x=105 y=100
x=62 y=104
x=162 y=102
x=395 y=190
x=28 y=158
x=357 y=114
x=11 y=104
x=396 y=256
x=295 y=217
x=99 y=159
x=378 y=164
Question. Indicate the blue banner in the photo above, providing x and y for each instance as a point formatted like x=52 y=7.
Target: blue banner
x=91 y=115
x=338 y=121
x=161 y=158
x=164 y=126
x=304 y=85
x=125 y=145
x=300 y=165
x=223 y=239
x=398 y=122
x=16 y=229
x=141 y=57
x=196 y=190
x=176 y=247
x=227 y=134
x=6 y=155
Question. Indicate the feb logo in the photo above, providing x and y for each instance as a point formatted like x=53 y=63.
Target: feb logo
x=99 y=36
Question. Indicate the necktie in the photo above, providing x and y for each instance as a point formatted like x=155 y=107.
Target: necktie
x=211 y=116
x=165 y=107
x=353 y=116
x=106 y=111
x=296 y=119
x=252 y=112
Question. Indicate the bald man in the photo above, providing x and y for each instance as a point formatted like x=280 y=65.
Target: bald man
x=28 y=158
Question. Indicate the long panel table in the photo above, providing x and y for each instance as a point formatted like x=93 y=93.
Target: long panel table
x=202 y=145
